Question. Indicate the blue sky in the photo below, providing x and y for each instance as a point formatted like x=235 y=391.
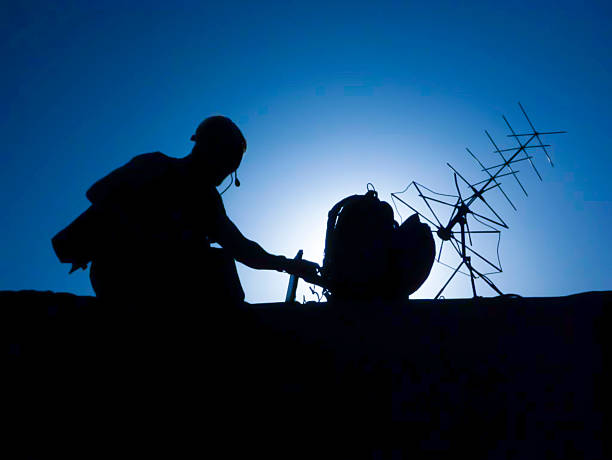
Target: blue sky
x=331 y=96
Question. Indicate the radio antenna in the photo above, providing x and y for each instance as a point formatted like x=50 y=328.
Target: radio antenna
x=455 y=230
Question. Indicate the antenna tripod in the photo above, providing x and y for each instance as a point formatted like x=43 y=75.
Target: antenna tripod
x=445 y=234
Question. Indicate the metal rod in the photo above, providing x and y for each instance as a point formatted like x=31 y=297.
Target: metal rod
x=479 y=256
x=483 y=166
x=440 y=253
x=465 y=258
x=506 y=162
x=434 y=214
x=497 y=177
x=488 y=281
x=468 y=232
x=491 y=208
x=528 y=147
x=452 y=268
x=513 y=161
x=424 y=217
x=522 y=146
x=537 y=135
x=437 y=201
x=489 y=220
x=531 y=134
x=449 y=280
x=480 y=231
x=478 y=194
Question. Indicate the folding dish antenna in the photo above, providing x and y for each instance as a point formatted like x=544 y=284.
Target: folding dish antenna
x=457 y=227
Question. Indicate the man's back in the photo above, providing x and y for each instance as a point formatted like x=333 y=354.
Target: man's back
x=155 y=199
x=159 y=222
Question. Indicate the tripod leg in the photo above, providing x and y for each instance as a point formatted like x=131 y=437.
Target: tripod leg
x=471 y=270
x=449 y=280
x=489 y=282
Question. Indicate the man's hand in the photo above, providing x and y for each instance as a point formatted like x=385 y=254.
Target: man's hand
x=309 y=271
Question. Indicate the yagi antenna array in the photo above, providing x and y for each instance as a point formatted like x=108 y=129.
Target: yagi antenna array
x=455 y=231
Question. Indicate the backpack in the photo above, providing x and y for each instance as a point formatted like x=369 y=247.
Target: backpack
x=368 y=255
x=359 y=229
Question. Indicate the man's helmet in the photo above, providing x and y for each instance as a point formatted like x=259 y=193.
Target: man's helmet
x=220 y=133
x=219 y=144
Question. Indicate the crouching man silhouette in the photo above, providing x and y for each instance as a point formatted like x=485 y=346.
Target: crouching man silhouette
x=149 y=228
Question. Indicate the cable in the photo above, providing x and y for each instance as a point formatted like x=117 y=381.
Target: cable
x=228 y=185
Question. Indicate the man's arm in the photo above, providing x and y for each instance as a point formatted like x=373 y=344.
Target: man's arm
x=253 y=255
x=244 y=250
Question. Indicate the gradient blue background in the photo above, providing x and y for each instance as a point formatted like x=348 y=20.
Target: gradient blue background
x=330 y=95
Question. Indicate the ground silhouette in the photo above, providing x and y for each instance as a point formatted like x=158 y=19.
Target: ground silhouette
x=494 y=378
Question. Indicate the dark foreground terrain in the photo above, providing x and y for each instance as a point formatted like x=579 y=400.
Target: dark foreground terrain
x=486 y=378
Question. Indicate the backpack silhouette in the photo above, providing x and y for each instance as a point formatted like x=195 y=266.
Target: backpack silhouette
x=368 y=255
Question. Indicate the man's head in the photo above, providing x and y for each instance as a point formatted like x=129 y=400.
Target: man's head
x=219 y=146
